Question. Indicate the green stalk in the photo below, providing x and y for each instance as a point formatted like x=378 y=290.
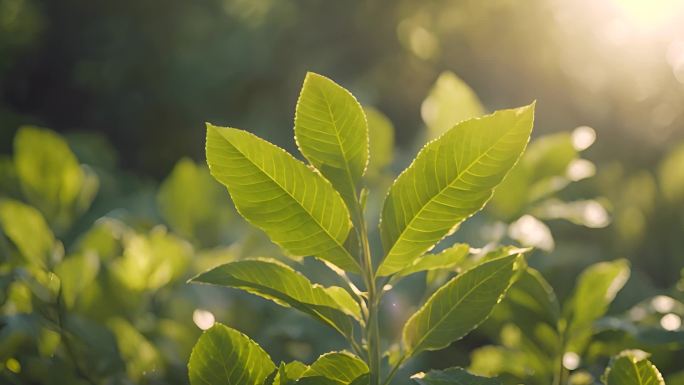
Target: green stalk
x=372 y=332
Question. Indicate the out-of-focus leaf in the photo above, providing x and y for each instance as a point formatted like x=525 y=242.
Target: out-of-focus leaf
x=51 y=177
x=193 y=204
x=459 y=306
x=225 y=356
x=381 y=139
x=152 y=261
x=632 y=367
x=452 y=376
x=104 y=238
x=595 y=290
x=332 y=133
x=280 y=283
x=670 y=175
x=75 y=274
x=9 y=181
x=343 y=367
x=94 y=345
x=495 y=360
x=531 y=232
x=451 y=179
x=449 y=102
x=141 y=357
x=304 y=214
x=28 y=231
x=589 y=213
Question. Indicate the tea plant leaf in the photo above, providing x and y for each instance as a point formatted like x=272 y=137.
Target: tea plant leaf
x=451 y=179
x=225 y=356
x=381 y=141
x=75 y=274
x=632 y=367
x=332 y=133
x=452 y=376
x=343 y=367
x=283 y=285
x=450 y=101
x=294 y=205
x=596 y=288
x=26 y=228
x=289 y=373
x=445 y=259
x=459 y=306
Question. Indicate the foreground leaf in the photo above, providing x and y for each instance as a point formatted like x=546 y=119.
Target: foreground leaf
x=294 y=205
x=445 y=259
x=342 y=367
x=280 y=283
x=452 y=376
x=225 y=356
x=459 y=306
x=288 y=373
x=596 y=288
x=332 y=133
x=451 y=179
x=631 y=367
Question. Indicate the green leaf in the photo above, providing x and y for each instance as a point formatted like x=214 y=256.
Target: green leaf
x=294 y=205
x=670 y=175
x=452 y=376
x=225 y=356
x=140 y=355
x=332 y=133
x=381 y=141
x=51 y=177
x=343 y=367
x=449 y=102
x=193 y=204
x=289 y=373
x=459 y=306
x=596 y=288
x=446 y=259
x=75 y=274
x=26 y=228
x=632 y=367
x=451 y=179
x=283 y=285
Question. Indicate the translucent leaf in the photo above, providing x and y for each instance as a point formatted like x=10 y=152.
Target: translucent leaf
x=596 y=288
x=225 y=356
x=459 y=306
x=193 y=204
x=343 y=367
x=531 y=232
x=294 y=205
x=450 y=101
x=332 y=133
x=289 y=373
x=451 y=179
x=670 y=175
x=445 y=259
x=280 y=283
x=632 y=367
x=26 y=228
x=452 y=376
x=140 y=355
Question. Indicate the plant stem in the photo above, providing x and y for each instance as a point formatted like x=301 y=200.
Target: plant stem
x=394 y=370
x=372 y=332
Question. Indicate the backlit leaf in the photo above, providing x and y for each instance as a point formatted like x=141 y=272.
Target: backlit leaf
x=294 y=205
x=445 y=259
x=381 y=141
x=450 y=101
x=596 y=288
x=632 y=367
x=451 y=179
x=459 y=306
x=26 y=228
x=339 y=366
x=225 y=356
x=280 y=283
x=332 y=133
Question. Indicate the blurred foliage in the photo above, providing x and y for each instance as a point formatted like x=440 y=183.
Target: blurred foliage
x=95 y=252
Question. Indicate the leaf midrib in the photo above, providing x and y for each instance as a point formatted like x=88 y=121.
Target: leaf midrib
x=339 y=245
x=441 y=191
x=430 y=330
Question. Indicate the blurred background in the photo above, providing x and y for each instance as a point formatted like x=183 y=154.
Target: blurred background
x=128 y=85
